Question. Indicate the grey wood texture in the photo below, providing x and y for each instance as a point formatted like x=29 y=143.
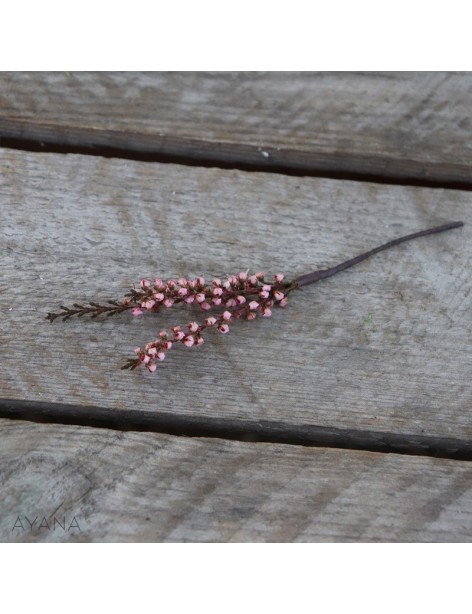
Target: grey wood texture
x=107 y=486
x=398 y=125
x=382 y=347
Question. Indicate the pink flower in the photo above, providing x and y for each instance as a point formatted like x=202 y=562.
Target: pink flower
x=231 y=302
x=145 y=359
x=205 y=306
x=137 y=311
x=149 y=304
x=251 y=315
x=253 y=305
x=183 y=292
x=152 y=351
x=217 y=292
x=253 y=280
x=189 y=299
x=283 y=302
x=266 y=312
x=171 y=284
x=223 y=328
x=199 y=340
x=188 y=341
x=241 y=299
x=160 y=356
x=278 y=295
x=216 y=282
x=278 y=278
x=226 y=316
x=137 y=350
x=168 y=302
x=167 y=345
x=158 y=283
x=152 y=367
x=144 y=283
x=260 y=276
x=264 y=294
x=266 y=288
x=242 y=276
x=200 y=281
x=200 y=297
x=216 y=301
x=192 y=327
x=178 y=333
x=163 y=334
x=211 y=321
x=233 y=280
x=182 y=281
x=159 y=296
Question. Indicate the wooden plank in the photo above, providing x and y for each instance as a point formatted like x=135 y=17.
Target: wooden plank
x=383 y=347
x=149 y=487
x=407 y=126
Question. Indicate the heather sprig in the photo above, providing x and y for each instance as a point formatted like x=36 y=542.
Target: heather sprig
x=152 y=296
x=240 y=296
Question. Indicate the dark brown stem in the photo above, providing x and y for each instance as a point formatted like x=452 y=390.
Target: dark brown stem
x=311 y=278
x=93 y=310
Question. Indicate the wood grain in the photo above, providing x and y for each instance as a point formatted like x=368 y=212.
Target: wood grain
x=406 y=126
x=380 y=348
x=149 y=487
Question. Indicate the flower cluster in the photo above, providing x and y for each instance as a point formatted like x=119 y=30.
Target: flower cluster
x=234 y=291
x=240 y=296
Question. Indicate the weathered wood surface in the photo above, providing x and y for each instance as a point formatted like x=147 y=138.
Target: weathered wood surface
x=400 y=125
x=384 y=347
x=152 y=487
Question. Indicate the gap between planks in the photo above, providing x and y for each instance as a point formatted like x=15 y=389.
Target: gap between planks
x=42 y=138
x=268 y=431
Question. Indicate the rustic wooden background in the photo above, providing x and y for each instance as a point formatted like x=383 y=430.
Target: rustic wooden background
x=346 y=416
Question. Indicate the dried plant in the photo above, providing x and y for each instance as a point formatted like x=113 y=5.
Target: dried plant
x=240 y=296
